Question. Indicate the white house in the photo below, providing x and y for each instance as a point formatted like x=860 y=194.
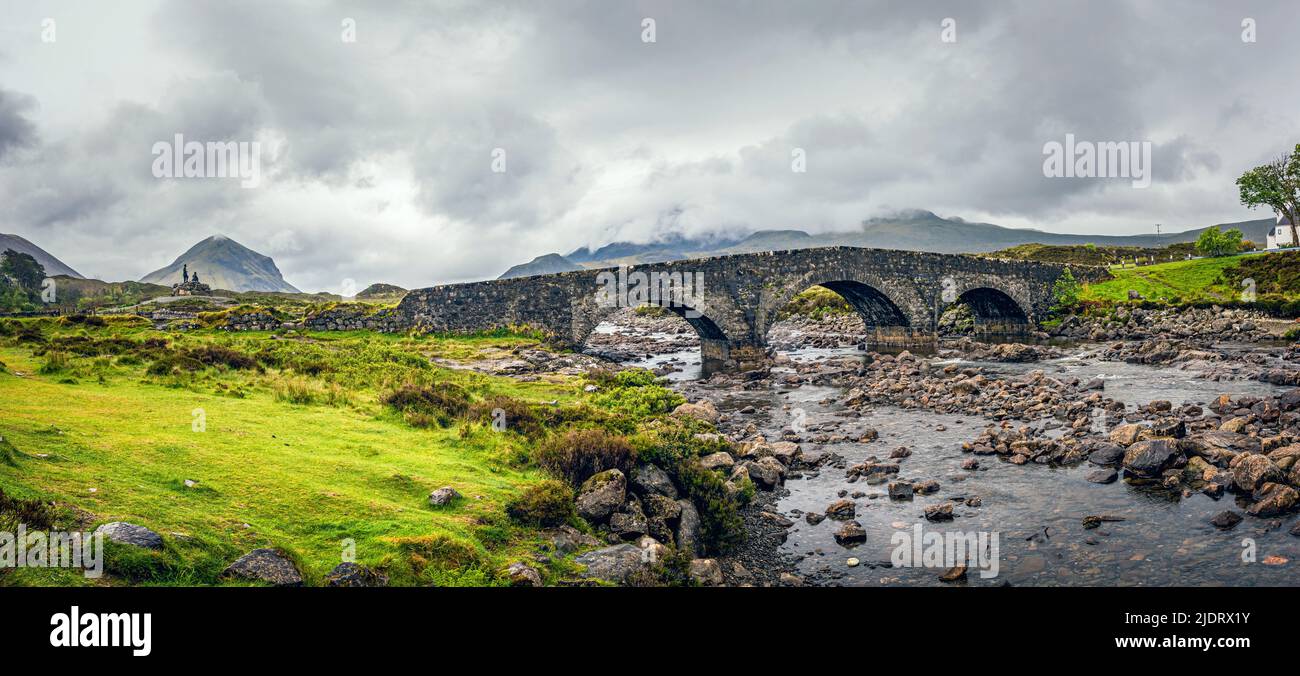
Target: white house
x=1280 y=235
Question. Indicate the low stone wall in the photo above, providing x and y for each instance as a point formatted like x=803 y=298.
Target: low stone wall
x=356 y=319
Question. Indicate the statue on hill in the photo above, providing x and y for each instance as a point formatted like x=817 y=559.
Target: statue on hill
x=190 y=284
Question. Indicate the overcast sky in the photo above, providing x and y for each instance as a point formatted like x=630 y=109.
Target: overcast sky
x=377 y=154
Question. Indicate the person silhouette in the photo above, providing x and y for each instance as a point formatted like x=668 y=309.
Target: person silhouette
x=185 y=273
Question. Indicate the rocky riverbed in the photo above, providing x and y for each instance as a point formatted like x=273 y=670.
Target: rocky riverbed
x=1156 y=452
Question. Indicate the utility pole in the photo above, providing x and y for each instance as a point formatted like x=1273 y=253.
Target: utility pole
x=1157 y=229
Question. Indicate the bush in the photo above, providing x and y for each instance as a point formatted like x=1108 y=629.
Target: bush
x=579 y=454
x=55 y=362
x=546 y=504
x=174 y=364
x=635 y=392
x=217 y=355
x=37 y=514
x=438 y=404
x=515 y=414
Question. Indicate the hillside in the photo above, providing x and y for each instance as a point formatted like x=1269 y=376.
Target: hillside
x=915 y=230
x=223 y=263
x=1276 y=281
x=53 y=266
x=542 y=265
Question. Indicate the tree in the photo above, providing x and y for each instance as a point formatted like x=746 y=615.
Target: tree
x=1214 y=243
x=22 y=270
x=1275 y=185
x=1066 y=291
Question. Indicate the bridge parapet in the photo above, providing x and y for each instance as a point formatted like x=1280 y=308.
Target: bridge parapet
x=735 y=299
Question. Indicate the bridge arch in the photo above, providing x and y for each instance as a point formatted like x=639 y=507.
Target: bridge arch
x=889 y=311
x=998 y=308
x=713 y=325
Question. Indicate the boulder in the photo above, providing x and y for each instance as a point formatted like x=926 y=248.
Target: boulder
x=706 y=572
x=1147 y=459
x=649 y=479
x=900 y=490
x=521 y=574
x=349 y=574
x=701 y=410
x=939 y=512
x=688 y=529
x=1274 y=500
x=601 y=495
x=125 y=533
x=1126 y=435
x=444 y=496
x=1251 y=471
x=850 y=534
x=629 y=522
x=841 y=509
x=1226 y=519
x=719 y=460
x=612 y=563
x=1106 y=454
x=767 y=472
x=265 y=565
x=1103 y=476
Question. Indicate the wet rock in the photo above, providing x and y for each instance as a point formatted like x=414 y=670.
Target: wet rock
x=900 y=452
x=767 y=472
x=1106 y=454
x=939 y=512
x=1103 y=476
x=1249 y=472
x=841 y=509
x=1226 y=519
x=1173 y=428
x=349 y=574
x=1095 y=520
x=265 y=565
x=1274 y=500
x=444 y=496
x=706 y=572
x=900 y=490
x=851 y=534
x=814 y=518
x=970 y=464
x=1126 y=435
x=926 y=487
x=612 y=563
x=523 y=575
x=790 y=580
x=601 y=495
x=1147 y=459
x=649 y=479
x=125 y=533
x=954 y=574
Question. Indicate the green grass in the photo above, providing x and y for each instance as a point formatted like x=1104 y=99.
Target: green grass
x=274 y=467
x=1197 y=280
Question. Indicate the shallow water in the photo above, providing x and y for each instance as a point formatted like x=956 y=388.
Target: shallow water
x=1036 y=512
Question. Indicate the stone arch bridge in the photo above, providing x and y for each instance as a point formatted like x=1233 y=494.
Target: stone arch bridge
x=733 y=300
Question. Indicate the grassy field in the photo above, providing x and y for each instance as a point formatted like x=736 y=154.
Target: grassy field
x=1205 y=280
x=288 y=443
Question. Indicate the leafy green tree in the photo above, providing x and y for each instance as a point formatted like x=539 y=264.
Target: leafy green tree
x=1214 y=243
x=22 y=270
x=1066 y=291
x=1275 y=185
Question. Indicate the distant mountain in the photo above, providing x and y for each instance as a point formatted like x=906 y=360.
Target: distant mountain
x=542 y=265
x=53 y=266
x=223 y=263
x=380 y=290
x=915 y=230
